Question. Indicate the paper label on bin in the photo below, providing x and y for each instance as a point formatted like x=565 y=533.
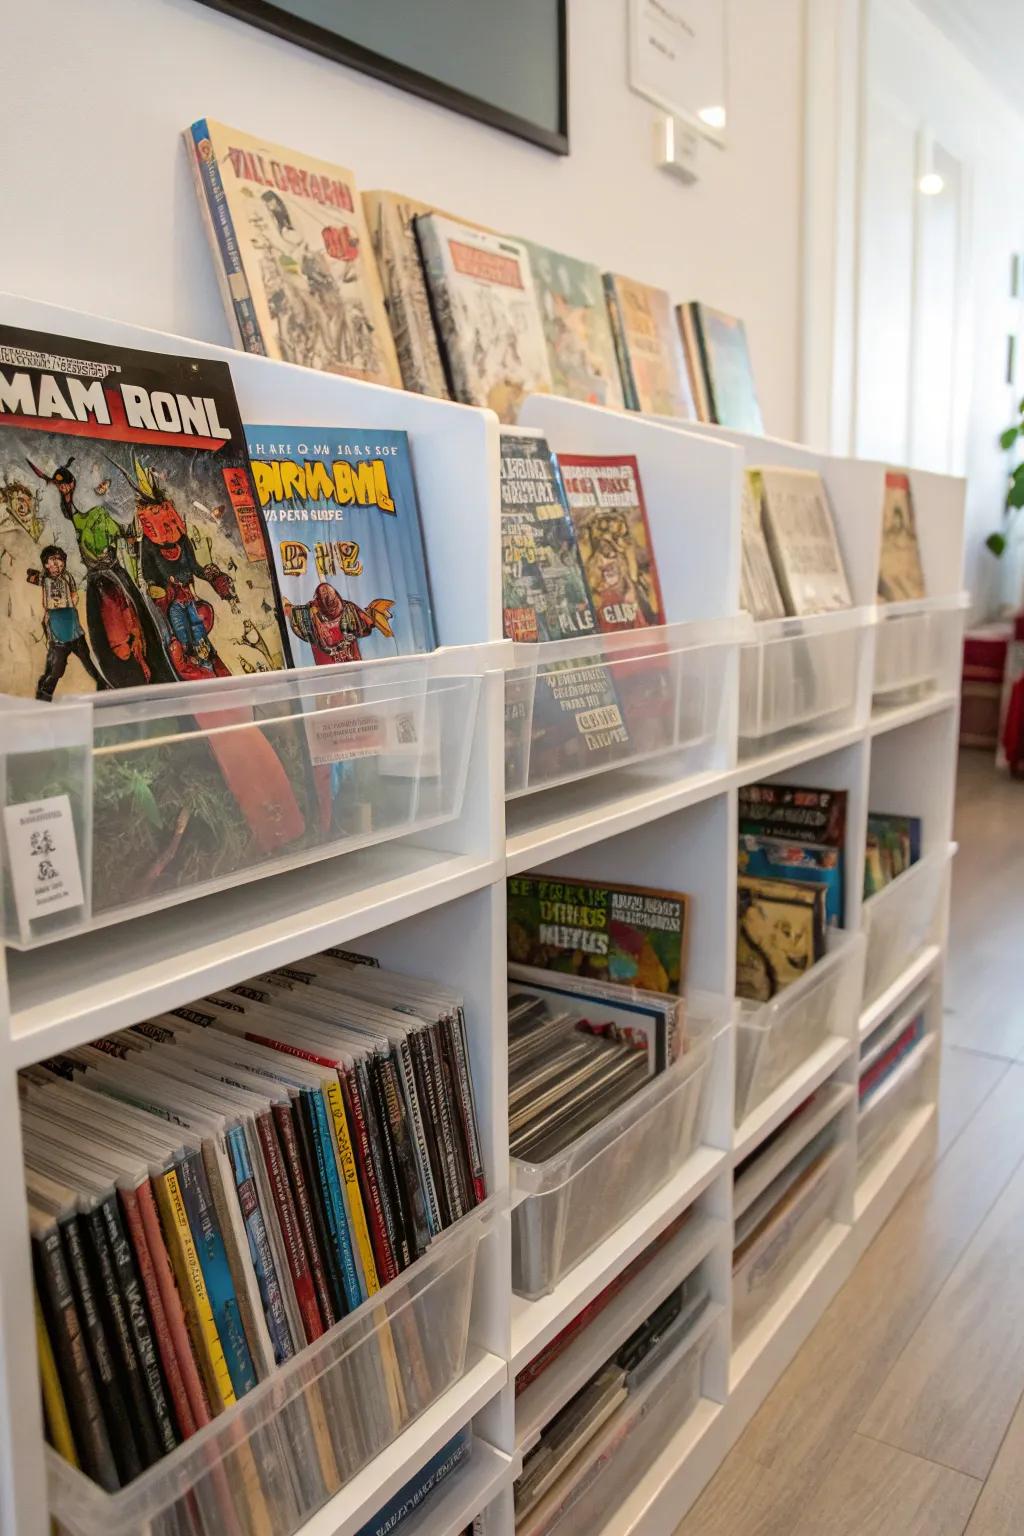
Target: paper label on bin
x=42 y=855
x=336 y=736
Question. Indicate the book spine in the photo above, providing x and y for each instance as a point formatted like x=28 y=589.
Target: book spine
x=315 y=1172
x=181 y=1341
x=354 y=1292
x=439 y=296
x=142 y=1334
x=220 y=231
x=209 y=1243
x=629 y=392
x=455 y=1030
x=414 y=1117
x=73 y=1362
x=357 y=1212
x=291 y=1233
x=283 y=1118
x=55 y=1412
x=115 y=1409
x=259 y=1247
x=184 y=1421
x=116 y=1311
x=387 y=1166
x=405 y=1157
x=192 y=1287
x=425 y=1086
x=384 y=1261
x=456 y=1197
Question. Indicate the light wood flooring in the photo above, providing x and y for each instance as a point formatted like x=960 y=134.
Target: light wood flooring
x=903 y=1414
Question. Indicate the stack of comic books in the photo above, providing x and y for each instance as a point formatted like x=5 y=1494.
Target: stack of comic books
x=214 y=1189
x=893 y=845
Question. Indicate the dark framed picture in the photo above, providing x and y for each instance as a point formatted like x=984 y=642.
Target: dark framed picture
x=502 y=63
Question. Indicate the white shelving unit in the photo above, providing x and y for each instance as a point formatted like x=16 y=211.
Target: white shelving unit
x=431 y=900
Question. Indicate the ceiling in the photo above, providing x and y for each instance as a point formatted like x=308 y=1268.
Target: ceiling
x=991 y=34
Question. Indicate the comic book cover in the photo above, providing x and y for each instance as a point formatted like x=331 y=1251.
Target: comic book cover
x=900 y=575
x=893 y=845
x=293 y=254
x=390 y=217
x=544 y=592
x=717 y=346
x=802 y=538
x=607 y=506
x=344 y=531
x=485 y=309
x=650 y=350
x=780 y=933
x=790 y=833
x=629 y=935
x=759 y=590
x=132 y=546
x=581 y=348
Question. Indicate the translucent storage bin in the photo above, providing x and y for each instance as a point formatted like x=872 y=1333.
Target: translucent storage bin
x=901 y=920
x=180 y=790
x=577 y=707
x=269 y=1462
x=615 y=1461
x=773 y=1259
x=773 y=1039
x=893 y=1103
x=802 y=674
x=569 y=1204
x=918 y=649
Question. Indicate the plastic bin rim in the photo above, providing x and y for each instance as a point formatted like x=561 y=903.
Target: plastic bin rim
x=447 y=1250
x=911 y=876
x=844 y=945
x=807 y=626
x=907 y=1068
x=654 y=1093
x=599 y=648
x=946 y=602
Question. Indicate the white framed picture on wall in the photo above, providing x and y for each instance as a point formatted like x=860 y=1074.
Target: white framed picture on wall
x=678 y=60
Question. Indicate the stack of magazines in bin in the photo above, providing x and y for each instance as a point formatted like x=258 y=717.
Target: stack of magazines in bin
x=212 y=1190
x=573 y=1447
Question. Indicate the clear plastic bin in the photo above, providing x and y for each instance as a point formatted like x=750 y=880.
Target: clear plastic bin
x=774 y=1258
x=893 y=1103
x=918 y=649
x=616 y=1459
x=570 y=1204
x=577 y=707
x=180 y=790
x=773 y=1039
x=268 y=1463
x=802 y=674
x=901 y=920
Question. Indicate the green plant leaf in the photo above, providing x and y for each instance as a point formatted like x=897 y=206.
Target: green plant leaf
x=995 y=542
x=1009 y=437
x=1015 y=494
x=146 y=803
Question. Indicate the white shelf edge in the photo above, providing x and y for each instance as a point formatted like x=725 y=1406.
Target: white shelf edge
x=448 y=1509
x=798 y=1085
x=360 y=1499
x=534 y=1323
x=772 y=1324
x=905 y=714
x=751 y=769
x=674 y=1466
x=98 y=982
x=543 y=1398
x=591 y=824
x=898 y=990
x=743 y=1199
x=888 y=1174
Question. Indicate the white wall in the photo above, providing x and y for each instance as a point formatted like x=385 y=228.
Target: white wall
x=915 y=80
x=99 y=209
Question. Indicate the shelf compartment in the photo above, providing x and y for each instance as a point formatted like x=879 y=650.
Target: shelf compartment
x=569 y=1204
x=918 y=649
x=615 y=1461
x=829 y=1100
x=802 y=674
x=890 y=1110
x=771 y=1261
x=278 y=1455
x=775 y=1038
x=902 y=920
x=574 y=708
x=180 y=791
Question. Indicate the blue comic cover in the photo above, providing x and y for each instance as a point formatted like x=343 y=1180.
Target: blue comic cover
x=340 y=510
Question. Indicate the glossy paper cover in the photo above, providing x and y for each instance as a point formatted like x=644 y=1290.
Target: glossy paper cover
x=544 y=591
x=608 y=513
x=131 y=543
x=650 y=350
x=293 y=254
x=581 y=348
x=344 y=528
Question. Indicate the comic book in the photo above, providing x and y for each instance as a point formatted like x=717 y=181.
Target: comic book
x=893 y=845
x=581 y=348
x=544 y=591
x=485 y=310
x=649 y=349
x=344 y=531
x=780 y=934
x=900 y=575
x=759 y=590
x=630 y=935
x=802 y=538
x=293 y=254
x=390 y=217
x=130 y=536
x=791 y=833
x=718 y=360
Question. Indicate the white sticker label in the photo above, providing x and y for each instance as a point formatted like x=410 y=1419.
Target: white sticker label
x=337 y=736
x=42 y=855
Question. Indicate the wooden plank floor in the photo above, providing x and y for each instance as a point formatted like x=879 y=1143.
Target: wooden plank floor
x=903 y=1414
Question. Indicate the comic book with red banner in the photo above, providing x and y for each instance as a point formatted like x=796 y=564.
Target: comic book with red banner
x=132 y=546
